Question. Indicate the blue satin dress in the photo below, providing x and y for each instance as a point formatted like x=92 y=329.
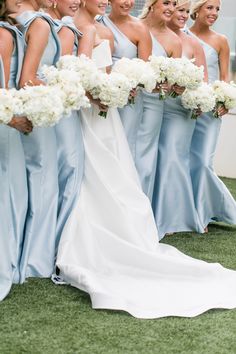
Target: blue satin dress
x=13 y=182
x=173 y=201
x=212 y=199
x=148 y=133
x=40 y=148
x=70 y=151
x=130 y=114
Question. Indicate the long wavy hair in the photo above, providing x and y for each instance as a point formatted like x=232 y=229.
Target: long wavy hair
x=146 y=8
x=4 y=16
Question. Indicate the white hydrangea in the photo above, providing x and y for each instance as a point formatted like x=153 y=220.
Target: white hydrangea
x=83 y=66
x=68 y=82
x=202 y=98
x=183 y=72
x=113 y=90
x=42 y=105
x=137 y=71
x=225 y=95
x=10 y=105
x=159 y=66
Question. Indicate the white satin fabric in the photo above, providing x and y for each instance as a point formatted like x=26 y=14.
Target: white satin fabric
x=109 y=246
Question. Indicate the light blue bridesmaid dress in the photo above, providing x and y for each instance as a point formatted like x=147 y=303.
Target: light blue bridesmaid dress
x=131 y=113
x=70 y=150
x=173 y=199
x=148 y=132
x=212 y=199
x=40 y=148
x=13 y=182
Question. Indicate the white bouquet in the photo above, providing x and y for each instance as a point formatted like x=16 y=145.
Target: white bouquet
x=202 y=99
x=225 y=96
x=68 y=83
x=42 y=105
x=182 y=72
x=159 y=66
x=113 y=90
x=84 y=67
x=137 y=71
x=10 y=105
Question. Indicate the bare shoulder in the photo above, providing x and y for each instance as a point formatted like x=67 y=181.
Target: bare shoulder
x=138 y=25
x=193 y=41
x=5 y=36
x=104 y=32
x=223 y=39
x=66 y=31
x=40 y=25
x=88 y=29
x=174 y=37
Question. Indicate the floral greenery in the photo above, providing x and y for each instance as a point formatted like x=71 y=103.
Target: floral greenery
x=40 y=317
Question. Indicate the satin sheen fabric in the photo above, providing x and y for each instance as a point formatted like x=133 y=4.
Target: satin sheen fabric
x=130 y=114
x=38 y=254
x=212 y=199
x=109 y=245
x=14 y=194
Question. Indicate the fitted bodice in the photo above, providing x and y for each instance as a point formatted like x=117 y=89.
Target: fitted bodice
x=123 y=47
x=67 y=21
x=17 y=55
x=101 y=54
x=157 y=48
x=212 y=58
x=52 y=51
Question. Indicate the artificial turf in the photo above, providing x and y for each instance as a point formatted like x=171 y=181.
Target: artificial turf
x=40 y=317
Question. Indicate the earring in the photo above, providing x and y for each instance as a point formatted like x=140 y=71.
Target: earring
x=197 y=14
x=151 y=9
x=54 y=5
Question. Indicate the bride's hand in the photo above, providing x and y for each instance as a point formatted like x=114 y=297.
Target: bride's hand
x=97 y=102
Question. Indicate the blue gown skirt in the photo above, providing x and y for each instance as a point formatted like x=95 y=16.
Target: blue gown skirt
x=212 y=198
x=131 y=117
x=70 y=153
x=38 y=255
x=173 y=200
x=13 y=206
x=148 y=139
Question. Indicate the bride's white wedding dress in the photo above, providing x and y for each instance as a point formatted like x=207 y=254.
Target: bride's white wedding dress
x=109 y=246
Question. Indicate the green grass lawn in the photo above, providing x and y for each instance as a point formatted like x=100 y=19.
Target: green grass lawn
x=39 y=317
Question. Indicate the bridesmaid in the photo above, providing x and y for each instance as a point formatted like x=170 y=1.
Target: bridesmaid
x=70 y=149
x=43 y=47
x=213 y=200
x=175 y=209
x=132 y=40
x=14 y=195
x=155 y=15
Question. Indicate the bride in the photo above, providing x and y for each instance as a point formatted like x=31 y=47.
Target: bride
x=109 y=246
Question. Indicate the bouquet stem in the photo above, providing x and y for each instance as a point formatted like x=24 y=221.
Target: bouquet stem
x=103 y=114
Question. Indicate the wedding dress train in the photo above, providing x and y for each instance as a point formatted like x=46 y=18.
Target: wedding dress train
x=109 y=246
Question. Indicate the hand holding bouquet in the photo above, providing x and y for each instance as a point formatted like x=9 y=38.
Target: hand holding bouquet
x=225 y=94
x=201 y=99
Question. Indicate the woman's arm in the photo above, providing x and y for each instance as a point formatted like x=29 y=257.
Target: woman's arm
x=37 y=39
x=6 y=49
x=224 y=58
x=144 y=42
x=87 y=42
x=67 y=40
x=199 y=55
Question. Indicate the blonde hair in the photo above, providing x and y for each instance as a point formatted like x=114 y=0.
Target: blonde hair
x=146 y=8
x=182 y=2
x=195 y=6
